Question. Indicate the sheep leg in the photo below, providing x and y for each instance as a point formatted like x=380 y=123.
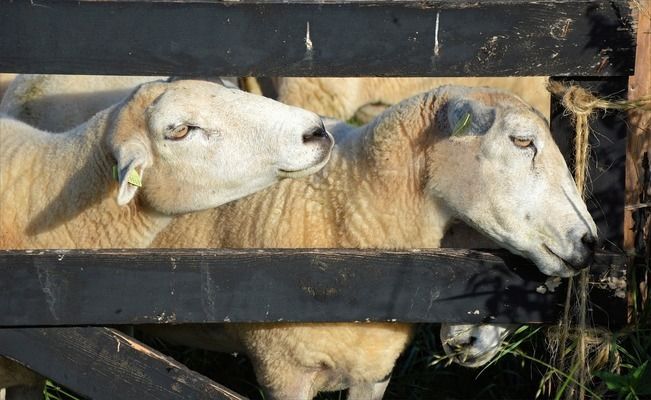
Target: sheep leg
x=20 y=382
x=289 y=385
x=24 y=393
x=368 y=391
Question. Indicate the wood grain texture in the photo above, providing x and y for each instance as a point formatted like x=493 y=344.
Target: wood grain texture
x=182 y=286
x=637 y=214
x=102 y=363
x=324 y=38
x=638 y=189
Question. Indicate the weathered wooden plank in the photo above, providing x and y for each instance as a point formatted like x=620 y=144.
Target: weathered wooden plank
x=327 y=38
x=637 y=214
x=102 y=363
x=133 y=287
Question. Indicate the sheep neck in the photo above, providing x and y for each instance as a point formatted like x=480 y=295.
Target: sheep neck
x=79 y=209
x=365 y=197
x=392 y=207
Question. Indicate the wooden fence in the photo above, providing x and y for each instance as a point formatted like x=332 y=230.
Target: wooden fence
x=54 y=302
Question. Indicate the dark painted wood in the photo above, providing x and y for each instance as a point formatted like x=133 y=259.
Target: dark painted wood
x=181 y=286
x=407 y=38
x=607 y=167
x=102 y=363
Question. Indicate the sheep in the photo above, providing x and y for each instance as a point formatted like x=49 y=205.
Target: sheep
x=57 y=103
x=363 y=98
x=480 y=155
x=343 y=98
x=172 y=128
x=473 y=345
x=176 y=147
x=60 y=102
x=49 y=101
x=5 y=81
x=19 y=382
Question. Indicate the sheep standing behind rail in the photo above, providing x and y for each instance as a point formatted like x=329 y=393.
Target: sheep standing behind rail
x=363 y=98
x=480 y=155
x=60 y=102
x=167 y=133
x=54 y=101
x=57 y=103
x=342 y=98
x=176 y=147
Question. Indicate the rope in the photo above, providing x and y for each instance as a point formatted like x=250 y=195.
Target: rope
x=582 y=105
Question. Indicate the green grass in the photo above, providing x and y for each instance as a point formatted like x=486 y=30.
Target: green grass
x=52 y=391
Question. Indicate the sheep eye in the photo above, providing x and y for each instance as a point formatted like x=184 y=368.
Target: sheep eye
x=522 y=142
x=179 y=132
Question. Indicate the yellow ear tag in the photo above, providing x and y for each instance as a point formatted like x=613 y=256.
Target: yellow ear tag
x=462 y=126
x=133 y=178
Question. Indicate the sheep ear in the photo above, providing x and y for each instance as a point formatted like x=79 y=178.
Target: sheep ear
x=132 y=160
x=469 y=118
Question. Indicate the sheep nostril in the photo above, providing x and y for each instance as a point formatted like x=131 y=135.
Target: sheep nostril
x=316 y=134
x=589 y=241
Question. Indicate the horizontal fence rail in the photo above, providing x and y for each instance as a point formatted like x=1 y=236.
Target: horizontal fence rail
x=103 y=363
x=327 y=38
x=101 y=287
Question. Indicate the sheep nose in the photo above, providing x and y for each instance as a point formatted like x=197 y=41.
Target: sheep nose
x=586 y=258
x=589 y=241
x=316 y=134
x=466 y=344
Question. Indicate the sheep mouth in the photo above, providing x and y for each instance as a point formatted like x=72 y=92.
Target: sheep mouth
x=565 y=263
x=299 y=173
x=472 y=361
x=290 y=172
x=467 y=359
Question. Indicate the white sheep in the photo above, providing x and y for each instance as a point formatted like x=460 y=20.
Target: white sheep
x=342 y=98
x=54 y=102
x=5 y=81
x=479 y=155
x=57 y=103
x=60 y=102
x=176 y=148
x=473 y=345
x=364 y=98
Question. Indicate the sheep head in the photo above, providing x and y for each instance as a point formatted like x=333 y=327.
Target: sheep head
x=494 y=162
x=196 y=144
x=473 y=345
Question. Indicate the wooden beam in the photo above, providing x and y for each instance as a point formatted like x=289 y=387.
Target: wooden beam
x=324 y=38
x=102 y=363
x=637 y=214
x=101 y=287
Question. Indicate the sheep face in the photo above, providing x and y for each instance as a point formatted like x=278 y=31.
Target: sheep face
x=496 y=165
x=198 y=144
x=473 y=345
